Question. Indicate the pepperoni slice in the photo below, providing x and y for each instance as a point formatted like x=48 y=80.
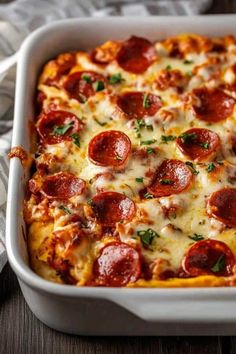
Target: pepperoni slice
x=198 y=144
x=209 y=257
x=57 y=126
x=117 y=265
x=62 y=185
x=136 y=55
x=222 y=206
x=139 y=104
x=171 y=177
x=112 y=207
x=84 y=84
x=213 y=104
x=110 y=148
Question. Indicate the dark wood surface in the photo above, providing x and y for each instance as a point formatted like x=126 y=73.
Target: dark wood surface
x=22 y=333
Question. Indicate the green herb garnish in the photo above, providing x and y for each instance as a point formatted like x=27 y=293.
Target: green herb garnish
x=148 y=196
x=62 y=129
x=192 y=167
x=99 y=85
x=147 y=142
x=188 y=137
x=87 y=78
x=188 y=62
x=149 y=127
x=147 y=236
x=82 y=97
x=146 y=101
x=130 y=188
x=204 y=145
x=196 y=237
x=168 y=67
x=139 y=179
x=219 y=265
x=210 y=167
x=75 y=138
x=118 y=157
x=139 y=124
x=90 y=201
x=65 y=209
x=102 y=124
x=166 y=181
x=150 y=150
x=115 y=79
x=166 y=138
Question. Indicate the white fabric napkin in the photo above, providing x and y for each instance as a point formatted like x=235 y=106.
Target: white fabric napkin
x=20 y=17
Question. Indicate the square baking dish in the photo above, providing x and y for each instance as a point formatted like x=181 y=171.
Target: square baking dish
x=105 y=311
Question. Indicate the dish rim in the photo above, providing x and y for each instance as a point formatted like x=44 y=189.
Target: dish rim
x=22 y=270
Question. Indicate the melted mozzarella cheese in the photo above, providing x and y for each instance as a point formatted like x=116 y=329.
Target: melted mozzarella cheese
x=174 y=219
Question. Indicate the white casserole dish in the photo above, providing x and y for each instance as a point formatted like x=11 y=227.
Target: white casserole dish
x=105 y=311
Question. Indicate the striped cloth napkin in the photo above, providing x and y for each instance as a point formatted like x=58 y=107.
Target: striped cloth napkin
x=20 y=17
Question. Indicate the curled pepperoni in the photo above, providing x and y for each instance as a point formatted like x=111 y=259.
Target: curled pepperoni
x=139 y=104
x=213 y=105
x=57 y=126
x=117 y=265
x=112 y=207
x=222 y=206
x=110 y=148
x=171 y=177
x=84 y=84
x=136 y=55
x=198 y=144
x=62 y=185
x=209 y=257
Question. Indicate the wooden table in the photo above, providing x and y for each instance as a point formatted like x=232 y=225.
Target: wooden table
x=22 y=333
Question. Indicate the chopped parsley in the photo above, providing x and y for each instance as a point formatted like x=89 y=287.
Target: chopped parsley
x=130 y=188
x=148 y=196
x=82 y=97
x=118 y=157
x=147 y=236
x=90 y=201
x=139 y=179
x=192 y=167
x=150 y=150
x=210 y=167
x=219 y=265
x=166 y=138
x=65 y=209
x=115 y=79
x=166 y=181
x=62 y=129
x=75 y=138
x=146 y=101
x=149 y=126
x=139 y=124
x=99 y=85
x=188 y=137
x=100 y=123
x=147 y=142
x=188 y=62
x=168 y=67
x=196 y=237
x=87 y=78
x=204 y=145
